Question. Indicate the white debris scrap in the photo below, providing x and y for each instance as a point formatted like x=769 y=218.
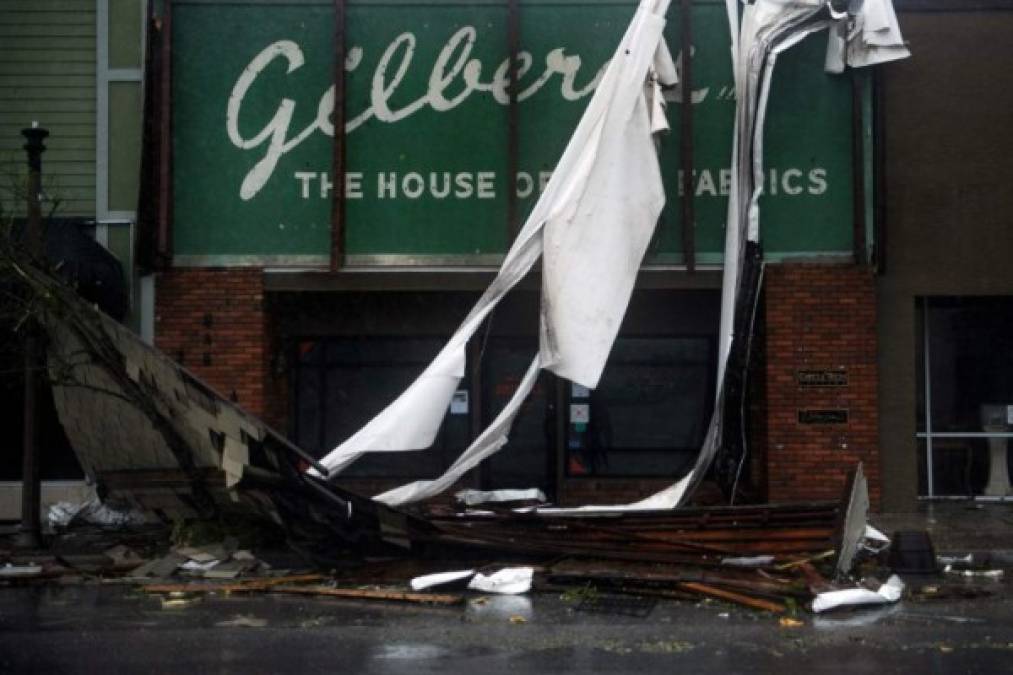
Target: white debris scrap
x=874 y=541
x=440 y=578
x=888 y=593
x=472 y=497
x=507 y=581
x=10 y=571
x=985 y=574
x=748 y=561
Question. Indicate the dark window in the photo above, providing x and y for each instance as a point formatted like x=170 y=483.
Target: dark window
x=529 y=457
x=648 y=415
x=965 y=395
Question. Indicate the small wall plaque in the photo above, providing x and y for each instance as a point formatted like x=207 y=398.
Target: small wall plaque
x=822 y=378
x=831 y=416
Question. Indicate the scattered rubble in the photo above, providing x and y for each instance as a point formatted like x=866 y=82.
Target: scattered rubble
x=776 y=559
x=207 y=462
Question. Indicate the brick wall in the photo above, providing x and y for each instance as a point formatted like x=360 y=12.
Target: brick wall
x=213 y=322
x=819 y=317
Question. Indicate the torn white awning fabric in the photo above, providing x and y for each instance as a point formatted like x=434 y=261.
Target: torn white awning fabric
x=596 y=216
x=768 y=28
x=593 y=223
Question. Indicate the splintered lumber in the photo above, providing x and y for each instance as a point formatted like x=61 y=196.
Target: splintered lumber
x=816 y=582
x=695 y=536
x=245 y=586
x=750 y=585
x=373 y=594
x=731 y=596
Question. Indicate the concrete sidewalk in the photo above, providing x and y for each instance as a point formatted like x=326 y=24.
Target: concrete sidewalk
x=959 y=527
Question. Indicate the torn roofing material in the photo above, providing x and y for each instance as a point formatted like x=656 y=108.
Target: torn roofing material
x=592 y=224
x=118 y=380
x=149 y=433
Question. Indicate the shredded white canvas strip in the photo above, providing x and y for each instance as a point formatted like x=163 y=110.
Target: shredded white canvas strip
x=594 y=239
x=489 y=441
x=767 y=28
x=413 y=419
x=593 y=250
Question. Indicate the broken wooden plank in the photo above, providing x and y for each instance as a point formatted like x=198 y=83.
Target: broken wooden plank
x=731 y=596
x=815 y=581
x=373 y=594
x=244 y=586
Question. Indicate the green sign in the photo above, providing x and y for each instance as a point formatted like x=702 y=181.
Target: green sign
x=427 y=130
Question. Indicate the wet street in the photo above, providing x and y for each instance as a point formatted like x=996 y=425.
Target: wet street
x=113 y=628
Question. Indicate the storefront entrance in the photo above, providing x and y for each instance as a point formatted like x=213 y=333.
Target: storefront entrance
x=646 y=419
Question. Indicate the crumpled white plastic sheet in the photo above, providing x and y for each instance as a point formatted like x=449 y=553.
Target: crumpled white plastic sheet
x=93 y=512
x=507 y=581
x=888 y=593
x=874 y=541
x=472 y=497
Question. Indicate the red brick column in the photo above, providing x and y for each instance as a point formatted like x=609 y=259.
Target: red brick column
x=213 y=322
x=819 y=317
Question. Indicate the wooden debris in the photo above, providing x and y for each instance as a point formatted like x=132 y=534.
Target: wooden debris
x=701 y=536
x=244 y=586
x=373 y=594
x=817 y=582
x=730 y=596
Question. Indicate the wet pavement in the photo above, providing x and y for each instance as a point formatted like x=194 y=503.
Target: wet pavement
x=116 y=628
x=959 y=526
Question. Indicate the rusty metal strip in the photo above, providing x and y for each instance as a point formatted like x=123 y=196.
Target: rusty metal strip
x=338 y=167
x=686 y=137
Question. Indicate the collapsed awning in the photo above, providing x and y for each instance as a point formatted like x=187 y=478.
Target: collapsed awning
x=596 y=217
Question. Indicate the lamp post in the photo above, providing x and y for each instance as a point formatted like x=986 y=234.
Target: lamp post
x=29 y=535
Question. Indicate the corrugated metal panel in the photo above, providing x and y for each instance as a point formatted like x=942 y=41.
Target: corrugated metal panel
x=47 y=73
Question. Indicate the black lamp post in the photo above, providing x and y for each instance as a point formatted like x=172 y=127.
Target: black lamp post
x=34 y=239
